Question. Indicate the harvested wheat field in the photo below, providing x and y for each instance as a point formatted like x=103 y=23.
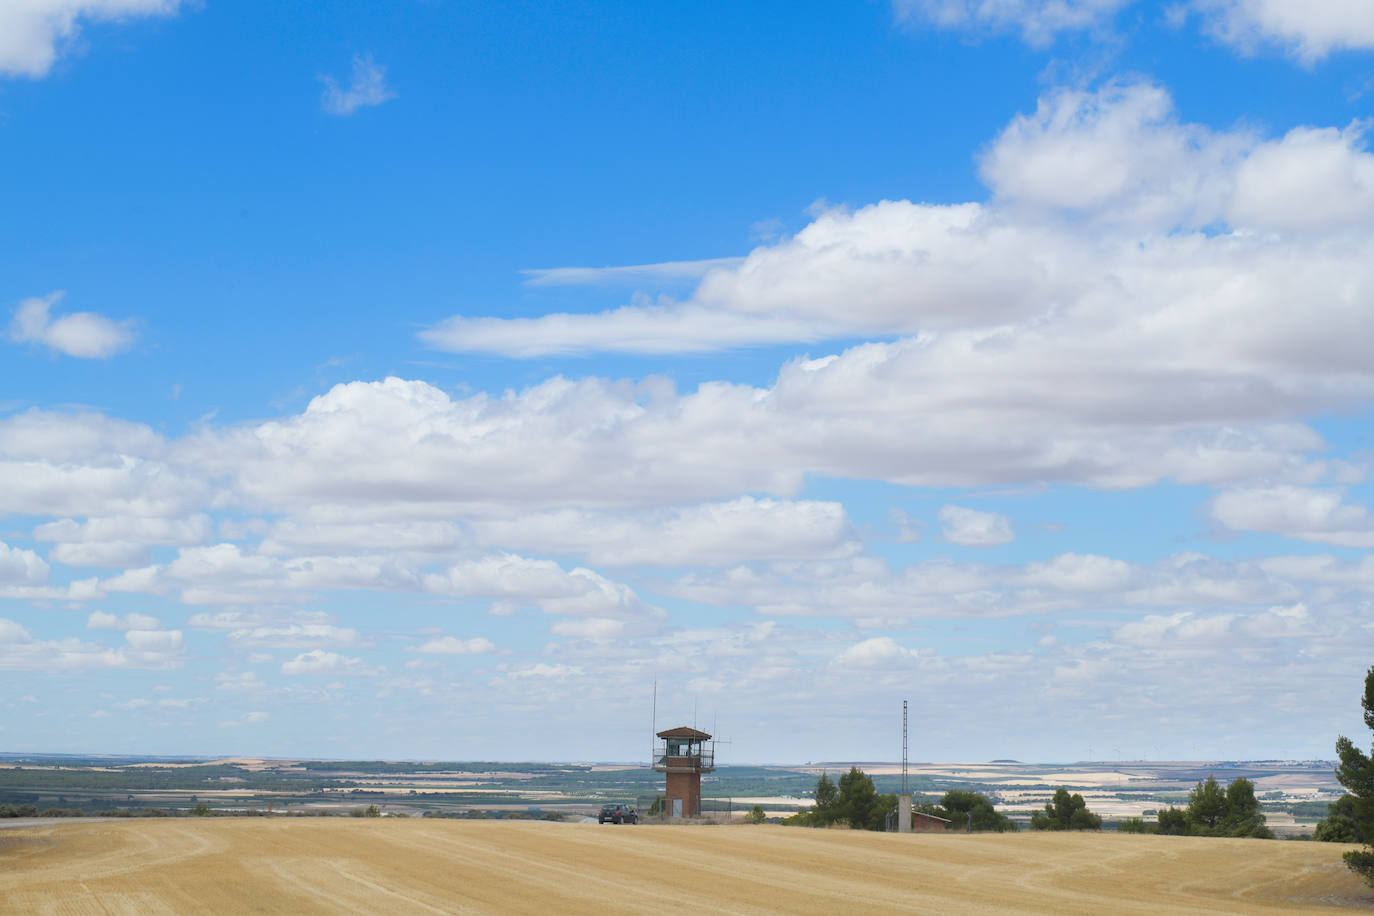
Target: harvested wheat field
x=263 y=865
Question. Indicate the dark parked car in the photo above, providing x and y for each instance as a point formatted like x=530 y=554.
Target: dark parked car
x=617 y=814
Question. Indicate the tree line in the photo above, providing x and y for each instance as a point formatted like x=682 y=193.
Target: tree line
x=854 y=802
x=1214 y=811
x=1211 y=810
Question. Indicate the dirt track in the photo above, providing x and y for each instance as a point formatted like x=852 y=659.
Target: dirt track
x=434 y=866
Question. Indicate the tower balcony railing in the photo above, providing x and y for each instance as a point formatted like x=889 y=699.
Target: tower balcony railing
x=696 y=758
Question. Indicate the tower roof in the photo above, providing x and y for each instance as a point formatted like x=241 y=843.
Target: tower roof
x=683 y=731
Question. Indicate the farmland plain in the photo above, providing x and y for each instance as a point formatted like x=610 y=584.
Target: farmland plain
x=411 y=865
x=1294 y=793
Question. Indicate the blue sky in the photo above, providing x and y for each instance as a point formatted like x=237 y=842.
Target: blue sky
x=428 y=379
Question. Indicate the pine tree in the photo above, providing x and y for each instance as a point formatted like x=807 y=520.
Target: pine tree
x=1356 y=773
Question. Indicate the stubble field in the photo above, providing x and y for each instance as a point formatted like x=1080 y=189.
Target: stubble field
x=266 y=865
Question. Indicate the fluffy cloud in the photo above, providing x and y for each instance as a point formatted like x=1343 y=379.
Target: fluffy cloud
x=1120 y=155
x=243 y=681
x=146 y=649
x=452 y=645
x=634 y=329
x=119 y=541
x=1312 y=179
x=173 y=532
x=366 y=87
x=227 y=574
x=1307 y=29
x=1061 y=333
x=1299 y=512
x=880 y=651
x=972 y=528
x=1080 y=572
x=320 y=662
x=112 y=554
x=296 y=636
x=397 y=449
x=296 y=535
x=589 y=628
x=1189 y=630
x=579 y=592
x=63 y=464
x=1109 y=312
x=711 y=534
x=32 y=32
x=100 y=620
x=866 y=588
x=21 y=567
x=81 y=334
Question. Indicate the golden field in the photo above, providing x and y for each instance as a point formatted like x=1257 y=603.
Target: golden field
x=330 y=865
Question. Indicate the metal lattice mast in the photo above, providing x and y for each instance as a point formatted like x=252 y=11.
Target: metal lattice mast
x=904 y=790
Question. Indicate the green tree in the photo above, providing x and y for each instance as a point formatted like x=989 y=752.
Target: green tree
x=1340 y=824
x=826 y=798
x=1214 y=811
x=1356 y=773
x=854 y=801
x=756 y=815
x=858 y=802
x=1172 y=821
x=1066 y=812
x=1243 y=816
x=1206 y=804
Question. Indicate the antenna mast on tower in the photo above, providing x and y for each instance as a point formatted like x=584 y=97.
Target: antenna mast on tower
x=904 y=790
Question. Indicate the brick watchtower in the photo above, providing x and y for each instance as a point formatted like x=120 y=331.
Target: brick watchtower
x=684 y=755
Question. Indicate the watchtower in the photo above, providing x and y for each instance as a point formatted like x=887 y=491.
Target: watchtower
x=684 y=755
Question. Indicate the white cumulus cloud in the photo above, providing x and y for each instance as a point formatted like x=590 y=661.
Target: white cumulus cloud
x=1309 y=30
x=452 y=645
x=81 y=334
x=972 y=528
x=34 y=32
x=1305 y=513
x=296 y=635
x=332 y=664
x=880 y=651
x=21 y=567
